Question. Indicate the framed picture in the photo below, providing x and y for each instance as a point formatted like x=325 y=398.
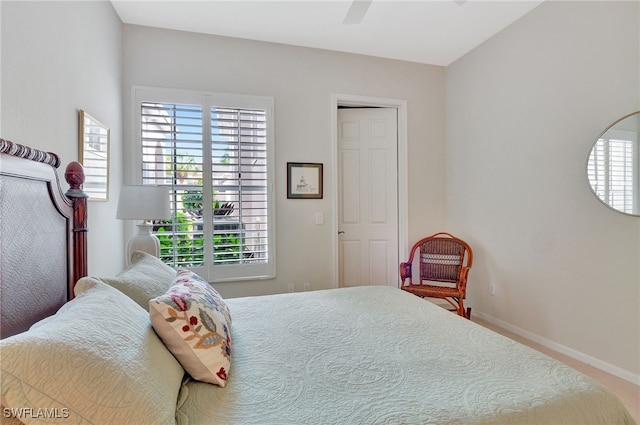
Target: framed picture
x=94 y=156
x=304 y=180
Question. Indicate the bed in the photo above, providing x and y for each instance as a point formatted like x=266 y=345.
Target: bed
x=93 y=350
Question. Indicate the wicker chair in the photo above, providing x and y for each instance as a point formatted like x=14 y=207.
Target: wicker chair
x=444 y=263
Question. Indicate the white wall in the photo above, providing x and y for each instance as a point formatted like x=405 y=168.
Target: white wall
x=523 y=111
x=57 y=58
x=301 y=81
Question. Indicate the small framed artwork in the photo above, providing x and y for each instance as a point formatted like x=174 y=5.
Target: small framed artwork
x=94 y=156
x=304 y=180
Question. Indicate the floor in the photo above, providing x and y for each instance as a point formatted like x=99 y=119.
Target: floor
x=625 y=390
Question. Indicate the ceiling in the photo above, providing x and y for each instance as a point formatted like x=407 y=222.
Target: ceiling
x=435 y=32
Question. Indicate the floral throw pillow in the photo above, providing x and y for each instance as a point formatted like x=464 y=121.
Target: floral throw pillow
x=194 y=323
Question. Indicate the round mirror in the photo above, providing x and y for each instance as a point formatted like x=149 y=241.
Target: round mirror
x=613 y=168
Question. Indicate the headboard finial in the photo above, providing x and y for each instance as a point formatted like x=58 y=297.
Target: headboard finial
x=74 y=175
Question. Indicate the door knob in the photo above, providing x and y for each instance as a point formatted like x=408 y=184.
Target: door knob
x=340 y=232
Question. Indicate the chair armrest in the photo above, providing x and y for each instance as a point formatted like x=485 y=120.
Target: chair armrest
x=405 y=271
x=462 y=282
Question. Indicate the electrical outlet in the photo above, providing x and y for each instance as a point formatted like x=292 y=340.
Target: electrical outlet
x=492 y=289
x=292 y=287
x=307 y=286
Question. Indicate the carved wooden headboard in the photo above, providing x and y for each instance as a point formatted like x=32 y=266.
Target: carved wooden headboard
x=43 y=249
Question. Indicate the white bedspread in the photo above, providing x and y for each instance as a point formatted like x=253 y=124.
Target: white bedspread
x=378 y=355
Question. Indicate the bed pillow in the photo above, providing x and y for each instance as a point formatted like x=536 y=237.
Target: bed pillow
x=194 y=323
x=147 y=277
x=97 y=360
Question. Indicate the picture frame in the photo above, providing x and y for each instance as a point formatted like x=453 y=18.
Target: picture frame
x=93 y=154
x=304 y=180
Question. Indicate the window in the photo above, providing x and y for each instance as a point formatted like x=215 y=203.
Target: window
x=215 y=152
x=612 y=169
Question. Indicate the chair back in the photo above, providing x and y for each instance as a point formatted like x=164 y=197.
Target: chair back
x=442 y=258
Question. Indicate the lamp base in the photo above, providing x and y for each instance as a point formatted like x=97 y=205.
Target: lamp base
x=144 y=241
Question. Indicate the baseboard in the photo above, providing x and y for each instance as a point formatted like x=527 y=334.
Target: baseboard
x=574 y=354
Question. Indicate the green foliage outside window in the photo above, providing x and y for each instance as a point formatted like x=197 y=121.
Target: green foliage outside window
x=192 y=204
x=181 y=246
x=181 y=243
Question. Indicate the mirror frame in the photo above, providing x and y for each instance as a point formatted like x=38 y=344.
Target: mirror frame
x=93 y=153
x=589 y=157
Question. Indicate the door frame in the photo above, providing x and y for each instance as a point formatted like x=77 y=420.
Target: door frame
x=339 y=99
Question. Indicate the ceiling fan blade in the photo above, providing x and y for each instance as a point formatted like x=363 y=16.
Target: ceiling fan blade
x=356 y=12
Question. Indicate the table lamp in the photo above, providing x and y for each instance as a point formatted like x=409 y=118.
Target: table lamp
x=143 y=203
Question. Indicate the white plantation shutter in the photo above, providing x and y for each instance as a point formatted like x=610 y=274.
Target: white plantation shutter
x=172 y=156
x=239 y=176
x=221 y=204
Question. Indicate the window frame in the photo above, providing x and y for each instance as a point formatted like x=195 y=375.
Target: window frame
x=209 y=271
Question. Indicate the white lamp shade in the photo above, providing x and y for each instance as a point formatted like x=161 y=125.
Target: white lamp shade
x=143 y=203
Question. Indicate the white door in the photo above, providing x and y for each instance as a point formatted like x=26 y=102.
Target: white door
x=368 y=196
